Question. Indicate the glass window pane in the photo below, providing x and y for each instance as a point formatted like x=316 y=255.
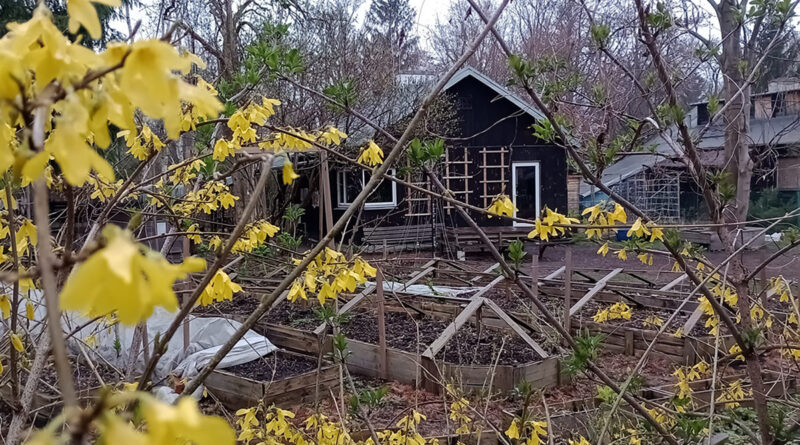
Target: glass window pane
x=383 y=193
x=526 y=191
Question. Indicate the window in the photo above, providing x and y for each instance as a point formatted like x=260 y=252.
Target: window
x=349 y=184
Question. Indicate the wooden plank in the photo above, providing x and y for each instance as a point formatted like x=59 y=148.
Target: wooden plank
x=489 y=286
x=488 y=270
x=382 y=363
x=597 y=288
x=557 y=273
x=418 y=276
x=692 y=320
x=674 y=282
x=454 y=326
x=516 y=328
x=568 y=289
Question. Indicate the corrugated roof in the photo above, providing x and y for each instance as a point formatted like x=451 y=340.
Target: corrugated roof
x=781 y=130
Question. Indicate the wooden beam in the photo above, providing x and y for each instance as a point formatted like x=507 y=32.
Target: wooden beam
x=675 y=282
x=593 y=291
x=691 y=321
x=568 y=289
x=453 y=327
x=417 y=277
x=640 y=278
x=488 y=270
x=383 y=368
x=486 y=288
x=516 y=328
x=557 y=273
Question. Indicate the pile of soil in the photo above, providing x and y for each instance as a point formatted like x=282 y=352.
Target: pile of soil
x=276 y=366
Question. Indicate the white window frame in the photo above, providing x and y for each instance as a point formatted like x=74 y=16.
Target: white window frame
x=514 y=166
x=342 y=203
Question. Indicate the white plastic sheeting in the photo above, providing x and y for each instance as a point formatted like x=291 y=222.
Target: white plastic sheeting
x=430 y=291
x=206 y=337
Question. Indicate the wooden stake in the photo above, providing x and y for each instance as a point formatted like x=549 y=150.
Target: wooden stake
x=567 y=287
x=535 y=271
x=186 y=254
x=382 y=360
x=325 y=182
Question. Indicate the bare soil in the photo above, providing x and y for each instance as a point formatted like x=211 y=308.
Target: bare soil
x=470 y=344
x=276 y=366
x=84 y=377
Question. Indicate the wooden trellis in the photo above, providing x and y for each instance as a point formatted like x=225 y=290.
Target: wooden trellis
x=455 y=171
x=419 y=204
x=492 y=185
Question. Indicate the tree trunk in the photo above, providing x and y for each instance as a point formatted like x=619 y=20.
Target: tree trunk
x=737 y=115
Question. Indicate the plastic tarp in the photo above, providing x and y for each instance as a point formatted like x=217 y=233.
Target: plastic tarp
x=430 y=291
x=206 y=337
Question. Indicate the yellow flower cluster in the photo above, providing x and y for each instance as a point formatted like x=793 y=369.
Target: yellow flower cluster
x=79 y=92
x=329 y=275
x=220 y=288
x=273 y=425
x=553 y=224
x=156 y=423
x=532 y=432
x=600 y=216
x=502 y=205
x=254 y=235
x=618 y=310
x=371 y=155
x=686 y=375
x=240 y=123
x=184 y=175
x=733 y=394
x=653 y=321
x=211 y=196
x=126 y=278
x=143 y=144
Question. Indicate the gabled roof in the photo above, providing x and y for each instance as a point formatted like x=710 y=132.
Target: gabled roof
x=469 y=71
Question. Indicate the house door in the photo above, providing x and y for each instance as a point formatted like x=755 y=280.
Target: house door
x=525 y=190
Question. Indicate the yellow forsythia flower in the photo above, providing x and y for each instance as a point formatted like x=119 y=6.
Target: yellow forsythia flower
x=17 y=342
x=5 y=306
x=372 y=155
x=501 y=205
x=288 y=172
x=82 y=13
x=603 y=250
x=513 y=431
x=638 y=228
x=220 y=288
x=29 y=312
x=119 y=277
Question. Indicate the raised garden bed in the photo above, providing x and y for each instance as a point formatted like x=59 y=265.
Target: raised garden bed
x=282 y=377
x=47 y=399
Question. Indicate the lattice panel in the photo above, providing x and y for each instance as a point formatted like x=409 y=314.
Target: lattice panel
x=495 y=168
x=418 y=203
x=657 y=194
x=456 y=174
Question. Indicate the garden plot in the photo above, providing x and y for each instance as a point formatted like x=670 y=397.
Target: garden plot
x=282 y=377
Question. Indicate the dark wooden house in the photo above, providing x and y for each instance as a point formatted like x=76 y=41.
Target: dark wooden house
x=492 y=151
